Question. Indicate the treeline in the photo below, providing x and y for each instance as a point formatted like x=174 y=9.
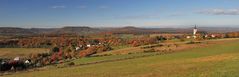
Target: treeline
x=232 y=35
x=47 y=42
x=112 y=40
x=9 y=44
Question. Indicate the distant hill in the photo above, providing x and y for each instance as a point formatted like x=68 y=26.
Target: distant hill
x=76 y=30
x=219 y=29
x=35 y=31
x=43 y=30
x=15 y=31
x=130 y=29
x=137 y=30
x=81 y=30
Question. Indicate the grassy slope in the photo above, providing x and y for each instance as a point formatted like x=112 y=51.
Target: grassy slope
x=212 y=61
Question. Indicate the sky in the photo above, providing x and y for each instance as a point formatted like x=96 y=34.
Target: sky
x=118 y=13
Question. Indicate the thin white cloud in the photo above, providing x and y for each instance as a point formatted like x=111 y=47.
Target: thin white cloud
x=219 y=11
x=82 y=7
x=60 y=7
x=141 y=17
x=177 y=14
x=103 y=7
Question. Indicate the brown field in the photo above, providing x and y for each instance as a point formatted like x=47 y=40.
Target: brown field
x=13 y=52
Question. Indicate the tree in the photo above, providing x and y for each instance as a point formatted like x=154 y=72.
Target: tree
x=89 y=51
x=55 y=49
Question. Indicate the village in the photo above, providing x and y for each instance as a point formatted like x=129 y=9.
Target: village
x=119 y=38
x=65 y=49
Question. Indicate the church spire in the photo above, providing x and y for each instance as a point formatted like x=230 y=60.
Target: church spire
x=195 y=31
x=195 y=27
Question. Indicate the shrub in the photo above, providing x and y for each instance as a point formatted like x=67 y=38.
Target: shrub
x=71 y=64
x=150 y=50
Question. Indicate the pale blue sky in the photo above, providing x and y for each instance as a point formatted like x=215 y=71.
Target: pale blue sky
x=116 y=13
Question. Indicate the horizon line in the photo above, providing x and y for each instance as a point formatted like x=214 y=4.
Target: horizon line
x=181 y=26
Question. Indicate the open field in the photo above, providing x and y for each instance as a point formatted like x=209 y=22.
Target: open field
x=13 y=52
x=119 y=38
x=168 y=46
x=220 y=60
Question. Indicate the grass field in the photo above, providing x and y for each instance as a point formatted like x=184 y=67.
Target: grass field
x=13 y=52
x=220 y=60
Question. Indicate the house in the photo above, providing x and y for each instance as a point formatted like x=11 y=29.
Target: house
x=88 y=45
x=188 y=37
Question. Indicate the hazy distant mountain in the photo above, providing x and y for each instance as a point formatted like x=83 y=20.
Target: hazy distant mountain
x=76 y=30
x=89 y=30
x=34 y=31
x=219 y=29
x=43 y=30
x=15 y=31
x=130 y=29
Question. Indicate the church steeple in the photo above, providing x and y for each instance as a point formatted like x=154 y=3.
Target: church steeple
x=195 y=31
x=195 y=27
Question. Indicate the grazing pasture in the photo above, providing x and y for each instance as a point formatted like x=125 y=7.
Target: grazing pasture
x=220 y=60
x=13 y=52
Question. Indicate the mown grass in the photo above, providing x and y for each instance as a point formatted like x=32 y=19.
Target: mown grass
x=120 y=47
x=221 y=60
x=111 y=57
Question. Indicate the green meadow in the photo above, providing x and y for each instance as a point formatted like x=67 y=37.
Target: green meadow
x=219 y=60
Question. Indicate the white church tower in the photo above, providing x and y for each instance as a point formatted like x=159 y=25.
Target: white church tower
x=195 y=32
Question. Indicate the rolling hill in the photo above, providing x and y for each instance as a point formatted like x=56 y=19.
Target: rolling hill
x=219 y=60
x=122 y=30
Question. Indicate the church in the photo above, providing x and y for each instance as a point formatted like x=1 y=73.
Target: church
x=195 y=32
